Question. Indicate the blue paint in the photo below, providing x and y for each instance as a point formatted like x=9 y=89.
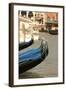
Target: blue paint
x=28 y=52
x=32 y=54
x=34 y=58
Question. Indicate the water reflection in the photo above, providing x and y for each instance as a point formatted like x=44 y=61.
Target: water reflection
x=30 y=75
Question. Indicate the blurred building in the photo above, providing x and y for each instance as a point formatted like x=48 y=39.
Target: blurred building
x=33 y=22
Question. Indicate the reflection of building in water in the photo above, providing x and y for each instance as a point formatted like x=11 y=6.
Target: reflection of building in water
x=30 y=23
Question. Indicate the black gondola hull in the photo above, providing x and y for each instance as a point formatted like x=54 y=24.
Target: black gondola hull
x=25 y=44
x=28 y=64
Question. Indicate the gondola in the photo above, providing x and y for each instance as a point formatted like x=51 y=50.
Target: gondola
x=23 y=45
x=52 y=27
x=33 y=55
x=53 y=32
